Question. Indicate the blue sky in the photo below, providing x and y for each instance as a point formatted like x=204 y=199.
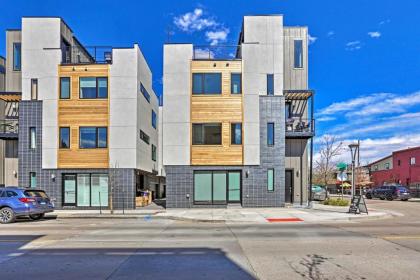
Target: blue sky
x=364 y=57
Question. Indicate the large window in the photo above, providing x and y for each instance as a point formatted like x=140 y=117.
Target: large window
x=270 y=84
x=34 y=89
x=298 y=54
x=17 y=57
x=154 y=119
x=288 y=110
x=144 y=137
x=32 y=137
x=64 y=87
x=270 y=134
x=64 y=137
x=207 y=134
x=270 y=180
x=153 y=152
x=92 y=190
x=207 y=83
x=210 y=187
x=144 y=92
x=93 y=87
x=32 y=179
x=412 y=161
x=235 y=83
x=93 y=137
x=236 y=133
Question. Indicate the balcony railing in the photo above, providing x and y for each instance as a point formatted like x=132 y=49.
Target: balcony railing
x=217 y=52
x=9 y=129
x=300 y=127
x=86 y=55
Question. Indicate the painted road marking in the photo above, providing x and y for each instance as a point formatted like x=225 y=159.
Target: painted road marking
x=279 y=220
x=399 y=237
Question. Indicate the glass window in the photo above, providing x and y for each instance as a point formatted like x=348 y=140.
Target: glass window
x=144 y=137
x=32 y=137
x=83 y=190
x=102 y=137
x=64 y=87
x=88 y=137
x=154 y=119
x=412 y=161
x=288 y=110
x=387 y=165
x=99 y=190
x=270 y=180
x=34 y=89
x=270 y=84
x=102 y=87
x=17 y=56
x=270 y=134
x=69 y=189
x=32 y=179
x=298 y=53
x=207 y=83
x=202 y=186
x=207 y=134
x=153 y=152
x=64 y=137
x=91 y=87
x=236 y=134
x=144 y=92
x=235 y=83
x=11 y=194
x=219 y=186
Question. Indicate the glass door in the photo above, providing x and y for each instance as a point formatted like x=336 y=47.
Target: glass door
x=219 y=187
x=69 y=189
x=234 y=186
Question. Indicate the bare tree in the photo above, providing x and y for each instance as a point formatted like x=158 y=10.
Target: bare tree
x=325 y=165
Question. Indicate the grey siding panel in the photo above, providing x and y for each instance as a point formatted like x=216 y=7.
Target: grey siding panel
x=297 y=155
x=295 y=78
x=13 y=78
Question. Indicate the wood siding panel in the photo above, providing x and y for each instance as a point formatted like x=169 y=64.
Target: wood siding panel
x=76 y=112
x=225 y=108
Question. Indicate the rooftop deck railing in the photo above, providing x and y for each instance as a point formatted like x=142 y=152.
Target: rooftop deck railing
x=296 y=126
x=9 y=128
x=217 y=52
x=87 y=55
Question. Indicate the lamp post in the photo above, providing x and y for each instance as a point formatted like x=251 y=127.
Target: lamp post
x=354 y=150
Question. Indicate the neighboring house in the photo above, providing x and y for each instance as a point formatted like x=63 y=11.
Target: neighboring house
x=402 y=167
x=88 y=118
x=237 y=121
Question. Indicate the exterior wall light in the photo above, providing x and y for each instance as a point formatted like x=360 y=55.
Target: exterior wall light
x=53 y=177
x=15 y=173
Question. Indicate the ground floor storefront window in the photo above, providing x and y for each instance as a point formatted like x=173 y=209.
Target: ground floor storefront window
x=217 y=187
x=85 y=190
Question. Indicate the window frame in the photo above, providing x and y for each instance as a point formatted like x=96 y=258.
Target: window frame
x=96 y=138
x=144 y=92
x=61 y=89
x=60 y=134
x=97 y=87
x=203 y=124
x=268 y=182
x=144 y=137
x=412 y=160
x=271 y=75
x=154 y=152
x=294 y=54
x=268 y=142
x=240 y=83
x=34 y=82
x=232 y=138
x=32 y=128
x=30 y=179
x=202 y=92
x=154 y=119
x=20 y=56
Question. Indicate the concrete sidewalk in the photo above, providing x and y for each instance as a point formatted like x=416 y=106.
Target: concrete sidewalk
x=318 y=213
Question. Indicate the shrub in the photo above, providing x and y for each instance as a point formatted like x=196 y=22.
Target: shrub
x=336 y=202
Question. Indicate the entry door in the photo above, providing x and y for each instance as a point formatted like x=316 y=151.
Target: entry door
x=234 y=186
x=69 y=189
x=289 y=186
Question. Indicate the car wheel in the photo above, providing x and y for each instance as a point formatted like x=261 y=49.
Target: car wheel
x=405 y=199
x=36 y=216
x=7 y=215
x=368 y=196
x=381 y=198
x=389 y=197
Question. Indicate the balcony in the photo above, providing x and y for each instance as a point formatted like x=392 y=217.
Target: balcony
x=217 y=52
x=299 y=114
x=86 y=55
x=9 y=129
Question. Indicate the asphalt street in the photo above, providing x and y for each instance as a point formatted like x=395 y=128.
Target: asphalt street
x=150 y=248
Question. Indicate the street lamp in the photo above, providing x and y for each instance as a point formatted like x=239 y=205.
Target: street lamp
x=354 y=150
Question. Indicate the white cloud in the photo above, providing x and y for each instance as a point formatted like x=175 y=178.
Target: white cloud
x=203 y=54
x=384 y=21
x=214 y=37
x=311 y=39
x=353 y=45
x=374 y=34
x=330 y=33
x=193 y=21
x=325 y=119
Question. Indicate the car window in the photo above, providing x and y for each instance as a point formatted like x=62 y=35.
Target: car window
x=36 y=194
x=2 y=193
x=402 y=189
x=11 y=194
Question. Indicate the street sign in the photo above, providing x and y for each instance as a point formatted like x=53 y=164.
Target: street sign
x=342 y=176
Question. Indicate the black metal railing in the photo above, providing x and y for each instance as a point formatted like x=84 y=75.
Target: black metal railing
x=86 y=55
x=296 y=125
x=9 y=126
x=217 y=52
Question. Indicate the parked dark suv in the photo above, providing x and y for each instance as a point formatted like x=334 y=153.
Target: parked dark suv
x=389 y=193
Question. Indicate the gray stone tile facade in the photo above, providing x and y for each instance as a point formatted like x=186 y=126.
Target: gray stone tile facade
x=179 y=179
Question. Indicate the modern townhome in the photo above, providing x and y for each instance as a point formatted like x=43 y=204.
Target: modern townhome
x=88 y=117
x=237 y=120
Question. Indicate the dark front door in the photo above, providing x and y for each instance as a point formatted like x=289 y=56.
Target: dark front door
x=234 y=186
x=289 y=186
x=69 y=189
